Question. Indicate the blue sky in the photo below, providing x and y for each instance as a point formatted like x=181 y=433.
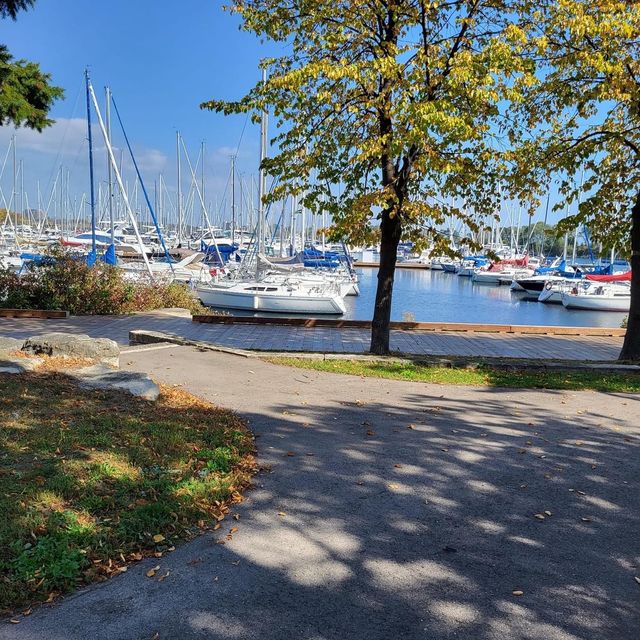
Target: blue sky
x=161 y=59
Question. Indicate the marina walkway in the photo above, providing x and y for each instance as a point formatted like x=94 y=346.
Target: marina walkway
x=360 y=528
x=326 y=339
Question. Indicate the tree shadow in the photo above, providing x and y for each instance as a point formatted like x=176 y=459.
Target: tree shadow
x=412 y=516
x=428 y=531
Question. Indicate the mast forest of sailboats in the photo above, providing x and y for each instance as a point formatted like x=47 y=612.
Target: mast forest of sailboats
x=286 y=291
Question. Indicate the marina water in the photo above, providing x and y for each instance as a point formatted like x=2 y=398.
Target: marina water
x=421 y=295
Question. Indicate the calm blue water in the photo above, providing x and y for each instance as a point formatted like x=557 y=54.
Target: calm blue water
x=420 y=295
x=435 y=296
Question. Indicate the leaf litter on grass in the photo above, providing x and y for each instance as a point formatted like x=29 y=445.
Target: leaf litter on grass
x=97 y=479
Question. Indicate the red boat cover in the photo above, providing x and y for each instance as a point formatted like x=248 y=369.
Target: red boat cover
x=617 y=277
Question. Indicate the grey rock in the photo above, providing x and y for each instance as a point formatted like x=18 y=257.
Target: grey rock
x=10 y=344
x=18 y=365
x=102 y=377
x=73 y=345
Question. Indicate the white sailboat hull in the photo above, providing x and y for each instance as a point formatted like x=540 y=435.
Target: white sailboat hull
x=487 y=277
x=279 y=301
x=550 y=296
x=593 y=302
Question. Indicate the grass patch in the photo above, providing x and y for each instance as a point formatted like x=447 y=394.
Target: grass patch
x=522 y=378
x=92 y=480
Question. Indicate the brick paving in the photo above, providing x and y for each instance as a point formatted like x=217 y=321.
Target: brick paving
x=326 y=339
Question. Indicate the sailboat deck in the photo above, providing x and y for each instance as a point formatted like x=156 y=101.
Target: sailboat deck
x=326 y=339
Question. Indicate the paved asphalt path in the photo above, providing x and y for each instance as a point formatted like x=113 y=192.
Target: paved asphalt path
x=390 y=531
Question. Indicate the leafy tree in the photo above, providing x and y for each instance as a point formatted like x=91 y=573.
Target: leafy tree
x=10 y=8
x=388 y=114
x=585 y=118
x=26 y=95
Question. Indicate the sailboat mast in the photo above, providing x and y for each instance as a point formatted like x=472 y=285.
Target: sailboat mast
x=22 y=194
x=202 y=178
x=91 y=189
x=125 y=198
x=179 y=189
x=107 y=95
x=262 y=176
x=233 y=199
x=14 y=194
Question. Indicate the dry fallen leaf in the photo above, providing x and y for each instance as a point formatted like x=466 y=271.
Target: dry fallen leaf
x=547 y=513
x=281 y=513
x=161 y=578
x=233 y=530
x=636 y=578
x=371 y=433
x=14 y=621
x=517 y=592
x=236 y=516
x=540 y=516
x=158 y=537
x=152 y=572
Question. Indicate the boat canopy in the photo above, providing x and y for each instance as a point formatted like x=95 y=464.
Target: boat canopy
x=266 y=265
x=616 y=277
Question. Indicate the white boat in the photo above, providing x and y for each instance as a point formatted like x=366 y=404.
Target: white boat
x=554 y=288
x=188 y=270
x=9 y=261
x=598 y=297
x=467 y=269
x=103 y=240
x=277 y=297
x=346 y=282
x=532 y=286
x=278 y=293
x=499 y=277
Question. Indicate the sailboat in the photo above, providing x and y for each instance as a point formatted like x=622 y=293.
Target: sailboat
x=598 y=296
x=280 y=294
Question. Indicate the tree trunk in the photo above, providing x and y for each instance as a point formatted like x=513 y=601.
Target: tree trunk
x=631 y=346
x=390 y=230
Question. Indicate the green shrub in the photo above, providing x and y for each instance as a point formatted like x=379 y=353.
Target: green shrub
x=66 y=282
